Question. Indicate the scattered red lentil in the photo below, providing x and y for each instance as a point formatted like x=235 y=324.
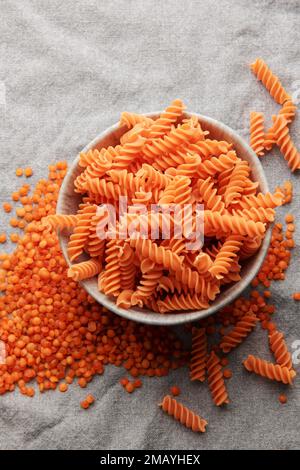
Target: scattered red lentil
x=28 y=172
x=7 y=207
x=19 y=172
x=282 y=398
x=129 y=387
x=3 y=238
x=227 y=373
x=175 y=391
x=137 y=383
x=63 y=387
x=289 y=218
x=14 y=237
x=90 y=399
x=124 y=381
x=84 y=404
x=296 y=296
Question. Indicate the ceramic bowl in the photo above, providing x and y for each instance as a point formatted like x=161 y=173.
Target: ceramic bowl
x=68 y=202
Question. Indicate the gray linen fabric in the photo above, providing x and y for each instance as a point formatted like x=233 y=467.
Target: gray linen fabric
x=67 y=69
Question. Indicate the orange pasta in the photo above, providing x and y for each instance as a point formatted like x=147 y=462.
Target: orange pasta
x=279 y=349
x=167 y=119
x=216 y=380
x=226 y=255
x=176 y=179
x=270 y=81
x=84 y=270
x=284 y=142
x=269 y=370
x=199 y=354
x=239 y=332
x=183 y=414
x=257 y=133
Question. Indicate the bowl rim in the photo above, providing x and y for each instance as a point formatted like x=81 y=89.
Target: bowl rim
x=147 y=316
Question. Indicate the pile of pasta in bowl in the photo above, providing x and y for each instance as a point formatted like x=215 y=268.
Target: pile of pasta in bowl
x=193 y=214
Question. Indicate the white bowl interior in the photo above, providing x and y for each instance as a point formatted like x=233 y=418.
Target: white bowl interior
x=68 y=202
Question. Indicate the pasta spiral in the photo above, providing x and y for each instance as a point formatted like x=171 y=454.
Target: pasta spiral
x=183 y=133
x=189 y=168
x=250 y=246
x=279 y=349
x=128 y=182
x=112 y=274
x=167 y=119
x=101 y=164
x=288 y=111
x=207 y=148
x=199 y=353
x=124 y=299
x=233 y=274
x=183 y=414
x=87 y=159
x=257 y=133
x=81 y=233
x=266 y=201
x=214 y=221
x=285 y=143
x=129 y=136
x=257 y=214
x=96 y=241
x=236 y=182
x=209 y=196
x=60 y=221
x=128 y=153
x=127 y=267
x=165 y=161
x=215 y=380
x=177 y=192
x=239 y=332
x=270 y=81
x=170 y=284
x=102 y=187
x=182 y=302
x=84 y=270
x=217 y=164
x=148 y=283
x=200 y=284
x=269 y=370
x=152 y=177
x=224 y=258
x=202 y=262
x=158 y=254
x=131 y=119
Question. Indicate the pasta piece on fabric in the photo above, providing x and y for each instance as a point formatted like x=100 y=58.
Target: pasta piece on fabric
x=270 y=81
x=269 y=370
x=183 y=414
x=199 y=354
x=257 y=133
x=239 y=332
x=279 y=348
x=216 y=381
x=285 y=143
